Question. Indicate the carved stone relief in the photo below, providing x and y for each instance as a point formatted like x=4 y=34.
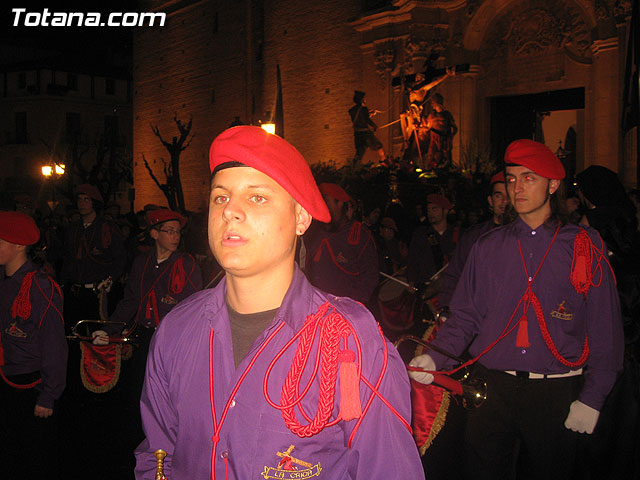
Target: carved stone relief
x=384 y=58
x=537 y=28
x=622 y=8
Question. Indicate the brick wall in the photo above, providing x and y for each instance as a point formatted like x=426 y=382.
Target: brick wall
x=178 y=67
x=321 y=64
x=189 y=69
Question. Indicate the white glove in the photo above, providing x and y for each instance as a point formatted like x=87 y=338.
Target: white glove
x=426 y=363
x=100 y=337
x=582 y=418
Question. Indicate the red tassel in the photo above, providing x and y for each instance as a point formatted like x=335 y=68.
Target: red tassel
x=1 y=355
x=350 y=407
x=178 y=277
x=581 y=265
x=22 y=304
x=354 y=233
x=522 y=341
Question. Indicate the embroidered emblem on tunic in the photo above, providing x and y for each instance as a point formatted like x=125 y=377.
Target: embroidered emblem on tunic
x=341 y=258
x=562 y=312
x=14 y=331
x=290 y=467
x=169 y=300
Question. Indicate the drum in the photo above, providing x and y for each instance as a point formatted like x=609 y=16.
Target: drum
x=395 y=306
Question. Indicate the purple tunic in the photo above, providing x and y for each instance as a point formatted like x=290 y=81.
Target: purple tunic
x=177 y=412
x=429 y=251
x=344 y=262
x=452 y=273
x=37 y=343
x=152 y=289
x=92 y=254
x=493 y=282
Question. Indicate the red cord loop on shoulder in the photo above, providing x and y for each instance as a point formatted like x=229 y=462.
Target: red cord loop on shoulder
x=330 y=327
x=22 y=304
x=581 y=274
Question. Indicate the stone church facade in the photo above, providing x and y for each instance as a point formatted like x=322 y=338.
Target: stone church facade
x=524 y=59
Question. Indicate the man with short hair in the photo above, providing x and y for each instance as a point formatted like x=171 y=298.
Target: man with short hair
x=33 y=355
x=243 y=380
x=498 y=201
x=432 y=246
x=538 y=308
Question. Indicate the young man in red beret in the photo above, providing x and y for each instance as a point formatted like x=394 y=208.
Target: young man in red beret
x=432 y=246
x=158 y=281
x=538 y=309
x=266 y=376
x=33 y=355
x=341 y=256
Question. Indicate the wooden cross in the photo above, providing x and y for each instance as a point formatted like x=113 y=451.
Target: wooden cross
x=287 y=453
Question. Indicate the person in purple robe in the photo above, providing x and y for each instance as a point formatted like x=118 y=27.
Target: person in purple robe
x=266 y=376
x=432 y=245
x=342 y=258
x=33 y=355
x=498 y=201
x=158 y=280
x=94 y=259
x=537 y=307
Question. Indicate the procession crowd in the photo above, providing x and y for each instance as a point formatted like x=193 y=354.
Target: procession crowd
x=539 y=295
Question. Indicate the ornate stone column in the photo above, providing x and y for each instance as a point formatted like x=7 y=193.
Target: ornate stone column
x=604 y=147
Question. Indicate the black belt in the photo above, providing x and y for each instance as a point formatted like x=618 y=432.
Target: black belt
x=538 y=376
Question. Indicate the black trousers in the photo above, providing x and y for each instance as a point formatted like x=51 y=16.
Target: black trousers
x=519 y=431
x=28 y=444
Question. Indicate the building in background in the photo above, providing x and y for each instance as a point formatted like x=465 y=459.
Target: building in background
x=58 y=107
x=214 y=61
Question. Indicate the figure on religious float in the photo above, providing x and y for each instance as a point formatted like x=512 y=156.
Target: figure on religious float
x=364 y=128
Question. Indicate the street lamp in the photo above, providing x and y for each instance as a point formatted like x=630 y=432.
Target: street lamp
x=269 y=127
x=54 y=170
x=57 y=168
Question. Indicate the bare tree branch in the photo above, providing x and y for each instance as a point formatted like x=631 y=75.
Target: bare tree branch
x=153 y=177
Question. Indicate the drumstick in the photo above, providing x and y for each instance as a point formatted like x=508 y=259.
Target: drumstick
x=404 y=284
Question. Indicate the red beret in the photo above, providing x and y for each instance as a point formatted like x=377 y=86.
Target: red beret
x=18 y=228
x=273 y=156
x=165 y=215
x=90 y=191
x=536 y=156
x=439 y=200
x=334 y=190
x=497 y=178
